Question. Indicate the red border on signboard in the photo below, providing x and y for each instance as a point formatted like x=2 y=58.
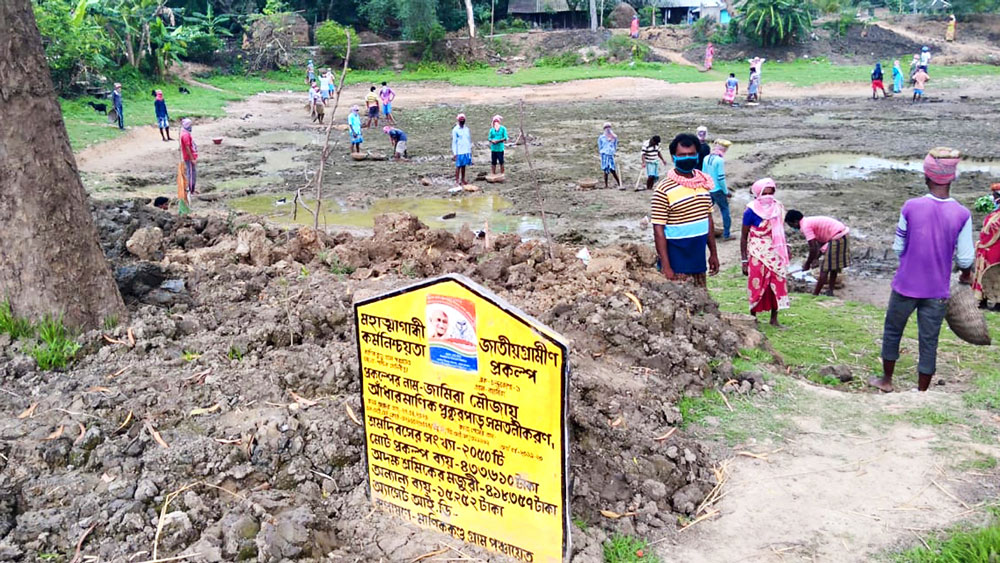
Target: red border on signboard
x=525 y=319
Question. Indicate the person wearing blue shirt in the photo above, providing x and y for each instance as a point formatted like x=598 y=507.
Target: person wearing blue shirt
x=461 y=148
x=715 y=167
x=162 y=117
x=116 y=102
x=607 y=146
x=398 y=138
x=354 y=128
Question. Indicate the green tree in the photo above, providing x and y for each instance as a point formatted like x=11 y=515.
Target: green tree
x=331 y=37
x=420 y=23
x=379 y=15
x=774 y=22
x=72 y=46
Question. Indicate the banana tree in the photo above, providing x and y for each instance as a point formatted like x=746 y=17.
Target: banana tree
x=209 y=23
x=165 y=46
x=774 y=22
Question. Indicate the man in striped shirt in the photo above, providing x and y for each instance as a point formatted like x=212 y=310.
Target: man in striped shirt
x=682 y=216
x=651 y=159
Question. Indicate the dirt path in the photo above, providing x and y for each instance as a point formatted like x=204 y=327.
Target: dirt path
x=963 y=51
x=842 y=487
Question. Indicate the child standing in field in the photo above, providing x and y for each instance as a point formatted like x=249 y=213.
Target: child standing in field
x=371 y=102
x=877 y=84
x=310 y=72
x=387 y=96
x=461 y=148
x=498 y=140
x=607 y=146
x=732 y=90
x=162 y=118
x=919 y=80
x=331 y=87
x=651 y=159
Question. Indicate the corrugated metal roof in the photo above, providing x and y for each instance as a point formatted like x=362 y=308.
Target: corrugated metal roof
x=677 y=3
x=537 y=6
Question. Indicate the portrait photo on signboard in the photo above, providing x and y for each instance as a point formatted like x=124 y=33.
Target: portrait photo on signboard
x=451 y=330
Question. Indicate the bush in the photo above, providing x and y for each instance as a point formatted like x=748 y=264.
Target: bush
x=512 y=24
x=624 y=48
x=828 y=6
x=202 y=47
x=567 y=59
x=843 y=23
x=332 y=37
x=426 y=37
x=724 y=35
x=703 y=29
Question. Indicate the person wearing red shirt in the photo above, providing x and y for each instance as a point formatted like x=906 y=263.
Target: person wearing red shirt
x=189 y=153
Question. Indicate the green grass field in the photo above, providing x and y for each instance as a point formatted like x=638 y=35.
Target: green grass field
x=821 y=331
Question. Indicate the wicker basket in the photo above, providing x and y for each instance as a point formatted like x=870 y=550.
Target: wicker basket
x=495 y=178
x=964 y=317
x=358 y=156
x=588 y=183
x=991 y=283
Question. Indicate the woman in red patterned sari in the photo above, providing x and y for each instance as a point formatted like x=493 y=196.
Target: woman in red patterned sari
x=765 y=251
x=988 y=254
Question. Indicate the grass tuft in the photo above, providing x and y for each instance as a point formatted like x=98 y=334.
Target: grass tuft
x=339 y=268
x=963 y=545
x=627 y=549
x=13 y=325
x=56 y=348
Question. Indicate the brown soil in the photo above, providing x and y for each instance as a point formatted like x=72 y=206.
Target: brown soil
x=239 y=318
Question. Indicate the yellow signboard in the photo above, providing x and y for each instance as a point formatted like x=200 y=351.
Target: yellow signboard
x=465 y=405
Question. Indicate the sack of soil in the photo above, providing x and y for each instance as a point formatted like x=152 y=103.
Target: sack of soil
x=964 y=317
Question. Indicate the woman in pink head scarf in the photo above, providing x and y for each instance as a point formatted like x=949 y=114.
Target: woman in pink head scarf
x=764 y=251
x=634 y=27
x=709 y=55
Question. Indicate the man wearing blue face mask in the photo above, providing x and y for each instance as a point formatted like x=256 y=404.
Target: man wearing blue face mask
x=682 y=216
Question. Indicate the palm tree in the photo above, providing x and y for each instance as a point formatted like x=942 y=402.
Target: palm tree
x=774 y=22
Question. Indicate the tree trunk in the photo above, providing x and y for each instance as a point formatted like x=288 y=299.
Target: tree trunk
x=470 y=15
x=50 y=259
x=593 y=15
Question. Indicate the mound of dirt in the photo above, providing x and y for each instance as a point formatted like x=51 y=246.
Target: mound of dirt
x=215 y=420
x=621 y=16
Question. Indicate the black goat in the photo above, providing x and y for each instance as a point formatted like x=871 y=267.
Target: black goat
x=183 y=90
x=101 y=108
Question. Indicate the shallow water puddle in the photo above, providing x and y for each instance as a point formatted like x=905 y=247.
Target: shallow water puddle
x=288 y=138
x=278 y=160
x=845 y=166
x=474 y=210
x=249 y=182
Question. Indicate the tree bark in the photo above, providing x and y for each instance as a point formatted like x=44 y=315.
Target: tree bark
x=51 y=261
x=593 y=15
x=470 y=15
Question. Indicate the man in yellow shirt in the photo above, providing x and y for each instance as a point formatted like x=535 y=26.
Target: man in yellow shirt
x=371 y=102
